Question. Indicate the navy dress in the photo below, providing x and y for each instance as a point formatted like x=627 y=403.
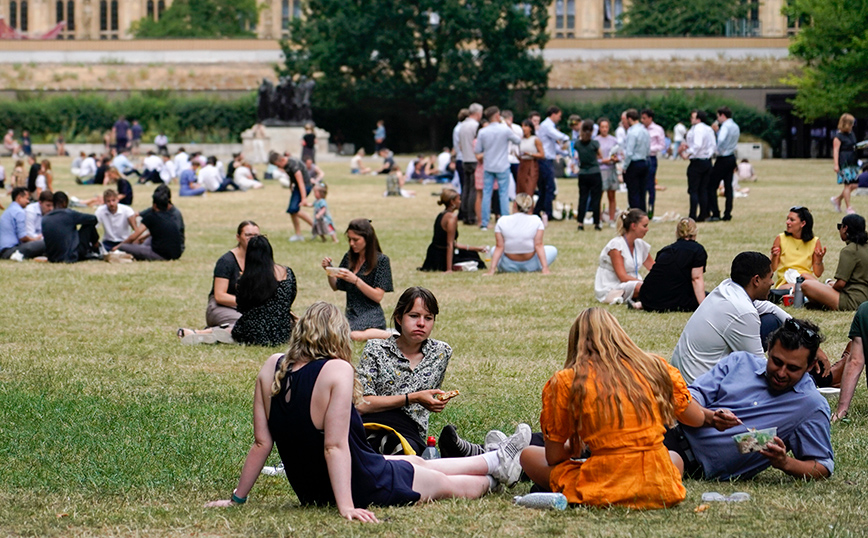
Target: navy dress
x=375 y=480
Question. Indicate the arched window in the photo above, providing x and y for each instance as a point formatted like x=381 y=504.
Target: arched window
x=296 y=8
x=114 y=18
x=13 y=14
x=59 y=11
x=150 y=9
x=23 y=22
x=161 y=7
x=284 y=15
x=70 y=17
x=103 y=17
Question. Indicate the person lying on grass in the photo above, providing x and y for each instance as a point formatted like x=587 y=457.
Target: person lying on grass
x=303 y=402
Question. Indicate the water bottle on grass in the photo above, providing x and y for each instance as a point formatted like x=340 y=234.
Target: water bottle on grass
x=431 y=453
x=542 y=501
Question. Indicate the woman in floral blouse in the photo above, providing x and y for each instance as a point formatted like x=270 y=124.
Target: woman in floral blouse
x=400 y=375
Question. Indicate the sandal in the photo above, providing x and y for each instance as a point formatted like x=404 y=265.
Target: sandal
x=192 y=338
x=223 y=334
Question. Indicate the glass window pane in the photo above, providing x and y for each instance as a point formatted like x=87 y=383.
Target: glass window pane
x=70 y=16
x=13 y=14
x=59 y=11
x=23 y=21
x=103 y=16
x=150 y=9
x=114 y=15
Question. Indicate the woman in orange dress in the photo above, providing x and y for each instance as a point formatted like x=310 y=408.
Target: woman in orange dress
x=617 y=400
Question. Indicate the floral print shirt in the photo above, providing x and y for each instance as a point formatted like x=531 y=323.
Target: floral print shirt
x=385 y=371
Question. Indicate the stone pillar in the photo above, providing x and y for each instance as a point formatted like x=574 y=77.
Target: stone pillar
x=773 y=22
x=590 y=18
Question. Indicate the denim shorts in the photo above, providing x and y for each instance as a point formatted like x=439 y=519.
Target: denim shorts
x=295 y=200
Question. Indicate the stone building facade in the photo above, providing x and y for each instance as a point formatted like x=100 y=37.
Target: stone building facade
x=111 y=19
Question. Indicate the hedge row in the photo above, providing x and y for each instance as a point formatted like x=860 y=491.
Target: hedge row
x=676 y=106
x=84 y=117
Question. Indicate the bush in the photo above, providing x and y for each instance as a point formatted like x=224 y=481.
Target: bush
x=82 y=117
x=676 y=106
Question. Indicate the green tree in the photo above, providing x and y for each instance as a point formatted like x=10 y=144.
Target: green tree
x=420 y=60
x=834 y=46
x=681 y=17
x=201 y=18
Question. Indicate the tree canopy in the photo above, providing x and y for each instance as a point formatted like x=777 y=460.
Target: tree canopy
x=418 y=60
x=834 y=46
x=681 y=17
x=201 y=18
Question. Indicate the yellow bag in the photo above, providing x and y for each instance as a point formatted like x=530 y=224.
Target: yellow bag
x=376 y=428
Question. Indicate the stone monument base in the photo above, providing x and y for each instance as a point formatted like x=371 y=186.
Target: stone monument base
x=281 y=139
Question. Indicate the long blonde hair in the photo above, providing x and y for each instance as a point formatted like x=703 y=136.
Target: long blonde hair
x=622 y=371
x=323 y=332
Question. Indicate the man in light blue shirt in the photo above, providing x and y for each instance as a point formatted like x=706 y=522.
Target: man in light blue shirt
x=724 y=165
x=123 y=164
x=552 y=142
x=13 y=228
x=747 y=391
x=492 y=146
x=636 y=149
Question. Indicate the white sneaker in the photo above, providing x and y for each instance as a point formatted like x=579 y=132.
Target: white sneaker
x=295 y=238
x=493 y=439
x=17 y=256
x=509 y=467
x=274 y=471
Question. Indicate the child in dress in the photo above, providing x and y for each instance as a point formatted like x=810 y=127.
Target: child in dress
x=323 y=224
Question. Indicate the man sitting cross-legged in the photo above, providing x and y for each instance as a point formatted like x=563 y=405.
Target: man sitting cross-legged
x=70 y=236
x=747 y=391
x=118 y=220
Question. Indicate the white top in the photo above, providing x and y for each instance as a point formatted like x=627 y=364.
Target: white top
x=242 y=172
x=466 y=136
x=2 y=173
x=679 y=131
x=745 y=171
x=40 y=182
x=210 y=177
x=701 y=143
x=33 y=220
x=161 y=140
x=726 y=321
x=443 y=161
x=606 y=279
x=455 y=144
x=168 y=171
x=117 y=225
x=527 y=147
x=152 y=162
x=518 y=231
x=356 y=162
x=513 y=148
x=182 y=162
x=88 y=167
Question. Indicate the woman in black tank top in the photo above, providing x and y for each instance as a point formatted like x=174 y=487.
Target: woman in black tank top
x=303 y=402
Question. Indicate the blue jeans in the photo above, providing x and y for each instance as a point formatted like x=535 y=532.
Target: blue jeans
x=502 y=191
x=505 y=265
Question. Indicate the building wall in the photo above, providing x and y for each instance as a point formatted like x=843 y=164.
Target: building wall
x=111 y=19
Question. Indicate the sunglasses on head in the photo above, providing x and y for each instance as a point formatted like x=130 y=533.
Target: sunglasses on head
x=798 y=208
x=840 y=225
x=810 y=335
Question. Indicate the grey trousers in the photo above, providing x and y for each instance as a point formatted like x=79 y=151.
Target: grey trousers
x=217 y=314
x=141 y=251
x=30 y=249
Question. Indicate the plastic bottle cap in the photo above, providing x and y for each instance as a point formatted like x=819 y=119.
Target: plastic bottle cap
x=432 y=441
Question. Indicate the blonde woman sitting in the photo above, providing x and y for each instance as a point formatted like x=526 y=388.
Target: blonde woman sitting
x=618 y=278
x=519 y=241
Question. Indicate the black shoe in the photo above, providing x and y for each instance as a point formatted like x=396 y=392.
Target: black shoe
x=598 y=228
x=713 y=219
x=581 y=228
x=452 y=446
x=727 y=218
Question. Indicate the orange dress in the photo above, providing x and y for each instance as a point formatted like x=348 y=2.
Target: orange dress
x=628 y=466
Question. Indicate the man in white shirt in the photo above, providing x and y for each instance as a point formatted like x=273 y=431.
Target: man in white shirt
x=209 y=175
x=466 y=136
x=33 y=223
x=492 y=146
x=182 y=161
x=87 y=171
x=734 y=317
x=151 y=166
x=118 y=220
x=699 y=146
x=2 y=176
x=658 y=141
x=168 y=170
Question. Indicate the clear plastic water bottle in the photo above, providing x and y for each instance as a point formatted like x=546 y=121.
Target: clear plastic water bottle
x=431 y=453
x=798 y=295
x=542 y=501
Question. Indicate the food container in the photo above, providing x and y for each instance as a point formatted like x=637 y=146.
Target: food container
x=754 y=440
x=333 y=271
x=788 y=300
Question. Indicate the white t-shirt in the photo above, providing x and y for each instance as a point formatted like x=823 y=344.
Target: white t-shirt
x=40 y=182
x=356 y=162
x=168 y=171
x=209 y=177
x=117 y=225
x=152 y=162
x=518 y=231
x=33 y=219
x=182 y=162
x=443 y=161
x=606 y=279
x=2 y=173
